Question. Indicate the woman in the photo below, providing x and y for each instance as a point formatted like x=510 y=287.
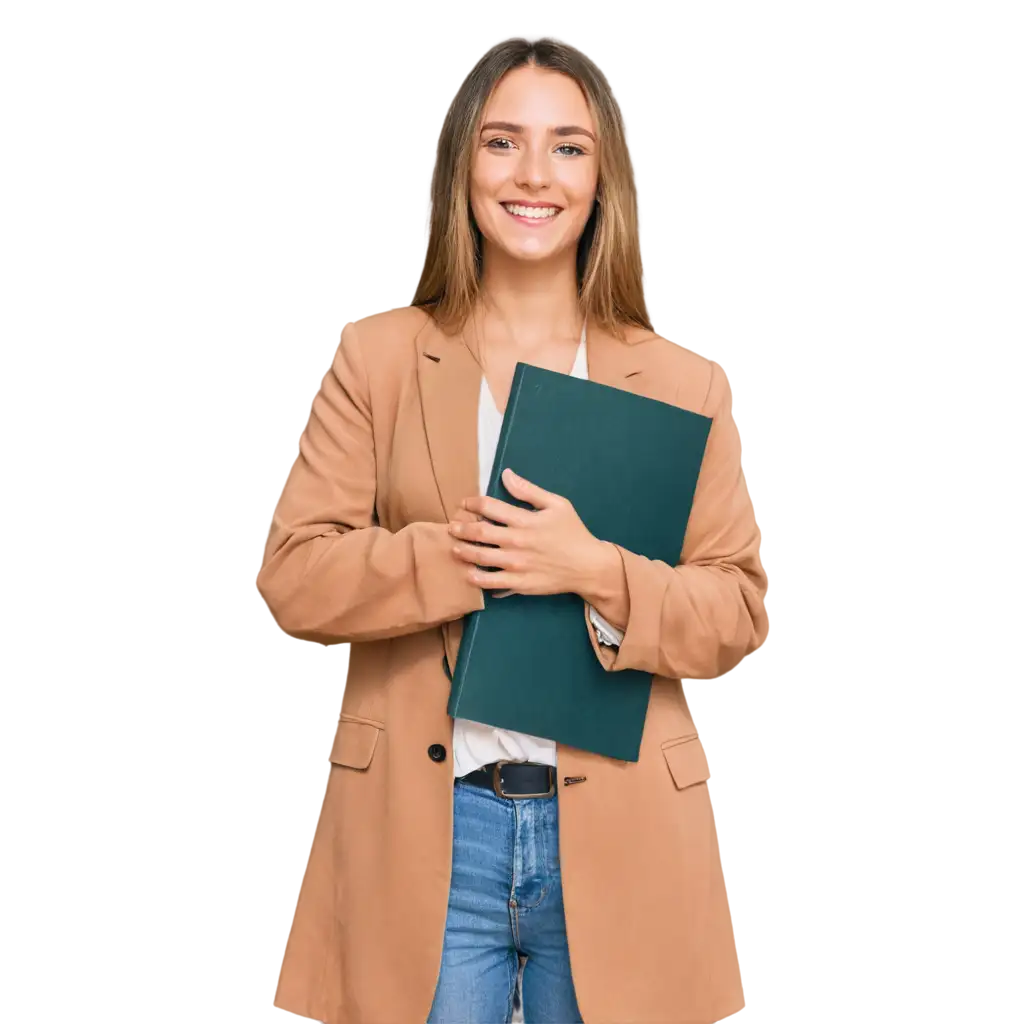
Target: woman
x=434 y=875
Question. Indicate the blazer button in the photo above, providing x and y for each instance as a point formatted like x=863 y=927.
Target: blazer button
x=436 y=752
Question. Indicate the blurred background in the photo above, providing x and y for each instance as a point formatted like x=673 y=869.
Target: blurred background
x=196 y=199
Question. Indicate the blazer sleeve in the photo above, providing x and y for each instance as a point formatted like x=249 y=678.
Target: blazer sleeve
x=701 y=617
x=330 y=572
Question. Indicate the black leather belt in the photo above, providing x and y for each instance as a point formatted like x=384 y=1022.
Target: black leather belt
x=514 y=779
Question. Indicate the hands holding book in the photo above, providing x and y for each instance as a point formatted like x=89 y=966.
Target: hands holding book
x=655 y=483
x=544 y=550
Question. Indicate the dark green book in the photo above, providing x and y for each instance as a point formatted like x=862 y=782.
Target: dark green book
x=629 y=464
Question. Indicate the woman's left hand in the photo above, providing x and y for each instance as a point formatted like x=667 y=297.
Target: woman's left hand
x=544 y=550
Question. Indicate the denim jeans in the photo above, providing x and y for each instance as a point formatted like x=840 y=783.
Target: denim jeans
x=505 y=901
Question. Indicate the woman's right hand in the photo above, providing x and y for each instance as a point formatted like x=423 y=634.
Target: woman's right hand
x=463 y=515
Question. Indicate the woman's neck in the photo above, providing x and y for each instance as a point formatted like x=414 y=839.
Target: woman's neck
x=528 y=307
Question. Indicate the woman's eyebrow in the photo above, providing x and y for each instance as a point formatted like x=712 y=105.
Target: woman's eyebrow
x=565 y=129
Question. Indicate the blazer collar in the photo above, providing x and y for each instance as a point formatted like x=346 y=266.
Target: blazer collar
x=449 y=380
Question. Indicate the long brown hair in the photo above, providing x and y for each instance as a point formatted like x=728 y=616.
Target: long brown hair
x=609 y=272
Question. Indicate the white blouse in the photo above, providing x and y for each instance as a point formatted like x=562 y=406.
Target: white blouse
x=474 y=743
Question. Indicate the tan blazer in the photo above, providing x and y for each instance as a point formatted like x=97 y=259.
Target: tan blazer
x=359 y=552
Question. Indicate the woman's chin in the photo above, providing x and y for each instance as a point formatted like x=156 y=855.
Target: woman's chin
x=529 y=251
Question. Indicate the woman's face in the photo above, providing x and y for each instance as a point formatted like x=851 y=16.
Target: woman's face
x=537 y=146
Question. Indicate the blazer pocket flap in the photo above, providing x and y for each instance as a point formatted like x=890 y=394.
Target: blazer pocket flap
x=354 y=743
x=686 y=761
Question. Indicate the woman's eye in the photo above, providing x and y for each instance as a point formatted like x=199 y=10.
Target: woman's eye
x=502 y=143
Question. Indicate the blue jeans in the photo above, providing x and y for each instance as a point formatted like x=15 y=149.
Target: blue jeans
x=505 y=902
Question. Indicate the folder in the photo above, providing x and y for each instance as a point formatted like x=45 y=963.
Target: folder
x=629 y=464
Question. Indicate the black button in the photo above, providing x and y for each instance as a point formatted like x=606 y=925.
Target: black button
x=437 y=752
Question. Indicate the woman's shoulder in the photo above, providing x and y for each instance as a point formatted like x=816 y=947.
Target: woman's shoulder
x=694 y=372
x=381 y=347
x=388 y=334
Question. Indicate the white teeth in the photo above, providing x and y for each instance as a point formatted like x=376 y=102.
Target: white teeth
x=534 y=212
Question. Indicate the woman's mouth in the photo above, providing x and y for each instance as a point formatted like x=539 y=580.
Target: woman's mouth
x=532 y=215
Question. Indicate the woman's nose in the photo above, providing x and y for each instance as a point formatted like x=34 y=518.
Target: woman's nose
x=534 y=169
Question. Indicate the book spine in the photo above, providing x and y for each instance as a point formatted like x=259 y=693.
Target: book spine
x=462 y=662
x=506 y=427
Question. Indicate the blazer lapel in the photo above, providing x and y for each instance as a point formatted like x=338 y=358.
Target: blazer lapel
x=449 y=382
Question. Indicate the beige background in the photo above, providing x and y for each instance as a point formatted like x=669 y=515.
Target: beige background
x=199 y=196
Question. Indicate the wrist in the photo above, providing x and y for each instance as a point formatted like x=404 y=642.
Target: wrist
x=599 y=581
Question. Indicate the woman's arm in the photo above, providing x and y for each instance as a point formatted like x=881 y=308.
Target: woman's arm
x=700 y=618
x=330 y=573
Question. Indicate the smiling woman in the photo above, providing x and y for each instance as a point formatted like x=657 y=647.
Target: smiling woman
x=576 y=178
x=534 y=128
x=456 y=865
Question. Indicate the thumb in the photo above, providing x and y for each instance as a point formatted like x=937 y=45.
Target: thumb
x=520 y=488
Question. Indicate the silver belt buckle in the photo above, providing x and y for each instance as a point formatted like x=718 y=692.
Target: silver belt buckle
x=496 y=780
